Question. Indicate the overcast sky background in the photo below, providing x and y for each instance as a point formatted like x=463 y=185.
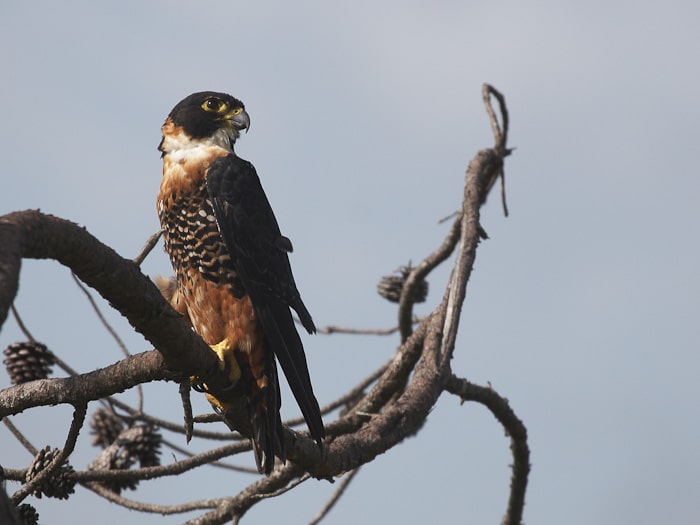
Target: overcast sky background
x=583 y=307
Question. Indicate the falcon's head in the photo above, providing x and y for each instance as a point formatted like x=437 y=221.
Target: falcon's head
x=205 y=117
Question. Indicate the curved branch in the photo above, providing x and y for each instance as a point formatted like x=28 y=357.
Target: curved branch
x=515 y=428
x=237 y=506
x=149 y=507
x=34 y=235
x=500 y=136
x=396 y=407
x=479 y=173
x=419 y=273
x=397 y=421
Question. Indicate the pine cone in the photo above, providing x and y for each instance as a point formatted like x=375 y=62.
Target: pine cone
x=27 y=361
x=28 y=514
x=391 y=286
x=114 y=457
x=60 y=484
x=140 y=443
x=143 y=442
x=106 y=426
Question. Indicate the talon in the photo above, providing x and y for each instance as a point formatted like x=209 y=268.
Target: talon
x=197 y=384
x=227 y=362
x=226 y=357
x=218 y=406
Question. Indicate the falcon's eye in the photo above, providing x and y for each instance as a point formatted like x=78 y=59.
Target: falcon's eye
x=214 y=105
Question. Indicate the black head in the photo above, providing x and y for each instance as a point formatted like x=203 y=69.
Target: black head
x=202 y=115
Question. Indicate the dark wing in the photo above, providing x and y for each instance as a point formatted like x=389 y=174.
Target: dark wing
x=259 y=254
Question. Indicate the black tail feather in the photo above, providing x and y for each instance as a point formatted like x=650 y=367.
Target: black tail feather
x=284 y=340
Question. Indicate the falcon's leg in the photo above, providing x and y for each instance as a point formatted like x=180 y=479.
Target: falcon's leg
x=227 y=363
x=227 y=360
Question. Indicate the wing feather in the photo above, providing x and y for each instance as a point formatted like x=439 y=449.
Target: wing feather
x=258 y=252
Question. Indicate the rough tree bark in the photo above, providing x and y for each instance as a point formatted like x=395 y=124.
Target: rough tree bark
x=380 y=412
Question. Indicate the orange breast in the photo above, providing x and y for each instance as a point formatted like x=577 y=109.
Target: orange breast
x=208 y=289
x=216 y=314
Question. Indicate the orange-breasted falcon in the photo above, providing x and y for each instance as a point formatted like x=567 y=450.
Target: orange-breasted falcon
x=233 y=279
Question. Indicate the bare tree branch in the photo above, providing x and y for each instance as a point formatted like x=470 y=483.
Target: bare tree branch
x=342 y=487
x=31 y=234
x=382 y=410
x=328 y=330
x=234 y=508
x=148 y=247
x=112 y=332
x=148 y=507
x=19 y=437
x=515 y=428
x=136 y=369
x=172 y=469
x=419 y=273
x=56 y=462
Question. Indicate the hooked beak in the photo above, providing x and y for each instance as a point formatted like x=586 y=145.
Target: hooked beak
x=241 y=121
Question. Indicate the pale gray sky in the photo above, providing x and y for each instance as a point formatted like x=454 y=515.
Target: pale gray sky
x=583 y=307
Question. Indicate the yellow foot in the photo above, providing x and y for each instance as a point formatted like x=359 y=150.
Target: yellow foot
x=227 y=361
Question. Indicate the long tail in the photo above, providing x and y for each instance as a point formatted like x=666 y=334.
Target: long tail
x=268 y=433
x=284 y=340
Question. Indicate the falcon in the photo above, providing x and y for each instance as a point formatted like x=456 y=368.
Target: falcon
x=233 y=281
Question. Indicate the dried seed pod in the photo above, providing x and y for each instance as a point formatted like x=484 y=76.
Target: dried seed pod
x=143 y=442
x=28 y=360
x=60 y=484
x=105 y=426
x=391 y=286
x=114 y=457
x=28 y=514
x=139 y=443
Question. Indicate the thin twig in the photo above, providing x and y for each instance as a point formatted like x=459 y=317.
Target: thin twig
x=233 y=509
x=65 y=366
x=184 y=389
x=59 y=459
x=21 y=324
x=177 y=427
x=110 y=329
x=452 y=215
x=219 y=464
x=327 y=330
x=172 y=469
x=419 y=273
x=342 y=486
x=148 y=247
x=351 y=396
x=20 y=437
x=148 y=507
x=500 y=136
x=285 y=489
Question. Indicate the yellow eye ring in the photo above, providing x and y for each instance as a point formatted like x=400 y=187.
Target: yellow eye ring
x=214 y=105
